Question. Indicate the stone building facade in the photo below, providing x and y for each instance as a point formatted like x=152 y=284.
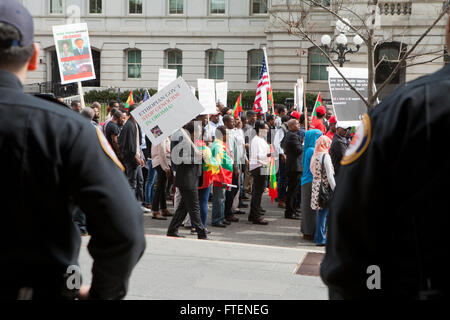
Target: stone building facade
x=221 y=39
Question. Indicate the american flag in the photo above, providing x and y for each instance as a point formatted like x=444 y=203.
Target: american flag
x=263 y=82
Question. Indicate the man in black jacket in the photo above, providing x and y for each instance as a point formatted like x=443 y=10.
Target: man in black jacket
x=132 y=157
x=293 y=151
x=53 y=160
x=188 y=164
x=338 y=147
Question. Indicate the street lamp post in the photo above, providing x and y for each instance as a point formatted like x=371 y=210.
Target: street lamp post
x=342 y=48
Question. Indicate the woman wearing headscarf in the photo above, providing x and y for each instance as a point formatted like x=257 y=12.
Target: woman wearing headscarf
x=308 y=215
x=323 y=172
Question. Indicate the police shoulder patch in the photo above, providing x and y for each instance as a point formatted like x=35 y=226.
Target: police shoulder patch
x=359 y=143
x=108 y=149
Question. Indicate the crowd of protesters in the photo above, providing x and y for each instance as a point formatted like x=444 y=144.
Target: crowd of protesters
x=233 y=167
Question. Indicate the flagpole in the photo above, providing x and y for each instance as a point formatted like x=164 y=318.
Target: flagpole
x=268 y=73
x=304 y=103
x=80 y=92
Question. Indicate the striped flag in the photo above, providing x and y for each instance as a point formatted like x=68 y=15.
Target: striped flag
x=147 y=95
x=273 y=190
x=260 y=104
x=318 y=104
x=237 y=107
x=130 y=100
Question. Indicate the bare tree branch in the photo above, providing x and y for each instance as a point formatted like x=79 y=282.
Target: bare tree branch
x=423 y=62
x=394 y=72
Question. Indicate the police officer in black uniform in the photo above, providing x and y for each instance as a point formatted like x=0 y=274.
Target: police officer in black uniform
x=51 y=161
x=387 y=232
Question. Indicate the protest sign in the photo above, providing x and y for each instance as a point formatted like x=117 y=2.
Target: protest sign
x=73 y=51
x=348 y=106
x=167 y=111
x=298 y=95
x=166 y=76
x=222 y=92
x=207 y=95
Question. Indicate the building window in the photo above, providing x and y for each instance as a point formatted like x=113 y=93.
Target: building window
x=135 y=6
x=318 y=64
x=325 y=3
x=176 y=6
x=134 y=64
x=217 y=6
x=390 y=51
x=255 y=58
x=446 y=57
x=95 y=6
x=215 y=64
x=175 y=61
x=259 y=6
x=56 y=6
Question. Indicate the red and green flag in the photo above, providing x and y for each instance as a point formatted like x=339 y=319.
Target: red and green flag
x=237 y=107
x=273 y=192
x=318 y=104
x=270 y=99
x=220 y=152
x=210 y=166
x=130 y=100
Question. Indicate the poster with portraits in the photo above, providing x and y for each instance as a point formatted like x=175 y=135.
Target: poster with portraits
x=73 y=50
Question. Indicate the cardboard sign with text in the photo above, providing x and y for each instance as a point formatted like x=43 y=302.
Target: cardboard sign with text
x=222 y=92
x=167 y=111
x=348 y=106
x=74 y=53
x=207 y=95
x=165 y=77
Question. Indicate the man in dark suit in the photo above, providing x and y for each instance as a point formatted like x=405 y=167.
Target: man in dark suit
x=188 y=170
x=80 y=49
x=293 y=150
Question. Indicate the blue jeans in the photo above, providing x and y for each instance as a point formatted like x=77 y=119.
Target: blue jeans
x=203 y=196
x=218 y=205
x=321 y=227
x=151 y=177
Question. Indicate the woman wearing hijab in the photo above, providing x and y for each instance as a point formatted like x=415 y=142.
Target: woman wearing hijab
x=308 y=220
x=323 y=172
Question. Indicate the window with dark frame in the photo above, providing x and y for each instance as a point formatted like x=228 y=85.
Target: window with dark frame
x=390 y=51
x=176 y=6
x=318 y=64
x=215 y=64
x=175 y=61
x=134 y=64
x=259 y=6
x=135 y=6
x=95 y=6
x=255 y=58
x=217 y=6
x=56 y=6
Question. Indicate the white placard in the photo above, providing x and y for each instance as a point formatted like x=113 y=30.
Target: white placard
x=347 y=105
x=73 y=50
x=167 y=111
x=207 y=95
x=222 y=92
x=263 y=103
x=166 y=76
x=299 y=95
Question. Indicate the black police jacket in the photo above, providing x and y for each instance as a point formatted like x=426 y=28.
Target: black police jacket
x=51 y=161
x=387 y=228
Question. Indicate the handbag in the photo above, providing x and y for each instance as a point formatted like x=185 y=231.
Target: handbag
x=325 y=193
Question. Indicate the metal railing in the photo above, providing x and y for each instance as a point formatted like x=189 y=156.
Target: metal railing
x=395 y=8
x=58 y=89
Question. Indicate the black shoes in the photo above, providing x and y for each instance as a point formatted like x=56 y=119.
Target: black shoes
x=225 y=222
x=175 y=235
x=261 y=222
x=219 y=225
x=292 y=216
x=232 y=219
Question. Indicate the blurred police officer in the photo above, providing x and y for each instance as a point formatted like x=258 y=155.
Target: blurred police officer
x=387 y=231
x=51 y=161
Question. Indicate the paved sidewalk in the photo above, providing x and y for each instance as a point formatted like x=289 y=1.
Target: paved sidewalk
x=279 y=232
x=193 y=269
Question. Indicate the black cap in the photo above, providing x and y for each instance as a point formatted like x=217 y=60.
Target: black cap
x=15 y=14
